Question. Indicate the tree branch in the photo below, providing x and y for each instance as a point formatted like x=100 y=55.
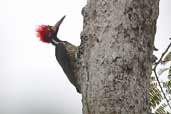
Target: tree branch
x=154 y=70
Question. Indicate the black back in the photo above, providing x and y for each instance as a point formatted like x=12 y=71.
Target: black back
x=64 y=61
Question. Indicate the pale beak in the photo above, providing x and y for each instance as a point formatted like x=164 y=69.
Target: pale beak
x=57 y=25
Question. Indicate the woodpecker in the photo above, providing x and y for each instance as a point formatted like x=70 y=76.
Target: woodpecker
x=65 y=52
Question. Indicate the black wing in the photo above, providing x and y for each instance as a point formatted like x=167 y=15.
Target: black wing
x=64 y=61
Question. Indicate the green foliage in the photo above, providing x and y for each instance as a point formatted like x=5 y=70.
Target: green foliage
x=167 y=85
x=155 y=95
x=167 y=58
x=160 y=109
x=156 y=98
x=160 y=92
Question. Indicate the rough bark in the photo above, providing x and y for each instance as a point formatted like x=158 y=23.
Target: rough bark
x=115 y=55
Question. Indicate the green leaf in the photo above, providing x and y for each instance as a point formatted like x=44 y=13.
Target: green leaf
x=167 y=84
x=167 y=58
x=160 y=109
x=155 y=95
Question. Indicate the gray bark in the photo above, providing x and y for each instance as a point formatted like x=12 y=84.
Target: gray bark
x=115 y=55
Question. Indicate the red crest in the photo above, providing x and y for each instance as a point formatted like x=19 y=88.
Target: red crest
x=42 y=33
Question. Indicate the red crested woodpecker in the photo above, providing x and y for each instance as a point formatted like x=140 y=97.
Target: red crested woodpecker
x=65 y=52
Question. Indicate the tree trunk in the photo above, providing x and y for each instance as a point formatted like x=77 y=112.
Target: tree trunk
x=115 y=55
